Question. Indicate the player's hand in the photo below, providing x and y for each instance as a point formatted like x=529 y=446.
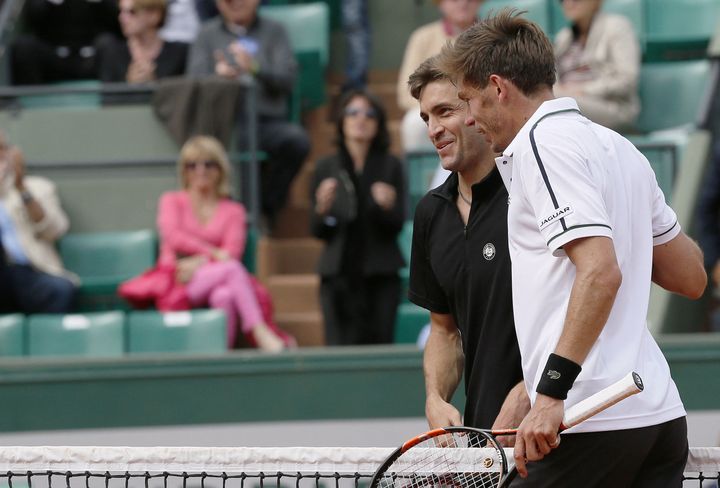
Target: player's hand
x=383 y=194
x=514 y=409
x=325 y=195
x=440 y=413
x=538 y=432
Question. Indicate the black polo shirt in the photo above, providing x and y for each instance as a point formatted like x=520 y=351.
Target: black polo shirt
x=465 y=271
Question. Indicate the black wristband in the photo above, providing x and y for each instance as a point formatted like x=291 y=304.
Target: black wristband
x=558 y=377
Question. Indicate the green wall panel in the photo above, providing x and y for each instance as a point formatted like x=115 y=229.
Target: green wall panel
x=311 y=384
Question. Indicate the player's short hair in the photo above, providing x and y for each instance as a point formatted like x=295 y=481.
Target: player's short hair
x=425 y=74
x=160 y=5
x=504 y=44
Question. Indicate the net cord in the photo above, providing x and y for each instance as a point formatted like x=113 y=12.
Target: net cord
x=305 y=460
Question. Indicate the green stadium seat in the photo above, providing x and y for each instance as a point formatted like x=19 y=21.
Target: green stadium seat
x=671 y=93
x=99 y=334
x=537 y=10
x=664 y=150
x=65 y=100
x=196 y=331
x=632 y=9
x=409 y=322
x=405 y=244
x=421 y=167
x=249 y=257
x=680 y=29
x=105 y=259
x=308 y=27
x=12 y=338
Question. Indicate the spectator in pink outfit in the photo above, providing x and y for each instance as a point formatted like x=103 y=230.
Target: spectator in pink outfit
x=202 y=234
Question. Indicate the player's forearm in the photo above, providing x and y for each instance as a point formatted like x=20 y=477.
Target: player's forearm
x=591 y=302
x=442 y=364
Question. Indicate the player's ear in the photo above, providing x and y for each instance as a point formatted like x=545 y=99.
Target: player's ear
x=501 y=86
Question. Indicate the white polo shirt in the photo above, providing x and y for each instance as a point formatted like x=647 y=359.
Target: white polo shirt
x=569 y=178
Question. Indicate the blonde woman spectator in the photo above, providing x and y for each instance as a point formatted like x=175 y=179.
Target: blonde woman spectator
x=598 y=64
x=202 y=237
x=426 y=41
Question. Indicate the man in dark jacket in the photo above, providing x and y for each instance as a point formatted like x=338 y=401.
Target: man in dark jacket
x=241 y=43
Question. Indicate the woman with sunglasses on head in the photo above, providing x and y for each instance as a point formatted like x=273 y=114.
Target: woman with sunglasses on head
x=202 y=235
x=598 y=64
x=142 y=56
x=358 y=198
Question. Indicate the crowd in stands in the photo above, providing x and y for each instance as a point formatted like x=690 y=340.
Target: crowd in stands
x=358 y=193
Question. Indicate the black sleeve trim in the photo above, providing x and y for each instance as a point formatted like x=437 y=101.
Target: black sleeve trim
x=671 y=228
x=576 y=227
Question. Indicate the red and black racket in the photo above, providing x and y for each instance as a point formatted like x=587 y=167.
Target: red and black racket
x=456 y=457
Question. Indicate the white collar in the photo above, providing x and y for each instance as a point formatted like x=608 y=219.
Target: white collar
x=546 y=108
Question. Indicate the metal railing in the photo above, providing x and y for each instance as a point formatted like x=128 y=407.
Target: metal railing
x=241 y=157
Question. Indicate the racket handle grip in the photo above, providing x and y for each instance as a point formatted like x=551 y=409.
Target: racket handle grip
x=629 y=385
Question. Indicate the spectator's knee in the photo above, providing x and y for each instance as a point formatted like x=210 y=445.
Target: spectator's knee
x=221 y=297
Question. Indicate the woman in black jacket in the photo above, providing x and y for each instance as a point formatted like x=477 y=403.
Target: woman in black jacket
x=358 y=199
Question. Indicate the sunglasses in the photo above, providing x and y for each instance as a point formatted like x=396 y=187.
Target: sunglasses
x=370 y=113
x=129 y=11
x=208 y=165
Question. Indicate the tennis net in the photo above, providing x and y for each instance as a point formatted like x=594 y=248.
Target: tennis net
x=191 y=467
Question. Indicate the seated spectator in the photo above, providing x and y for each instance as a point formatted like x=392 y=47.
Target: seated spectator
x=241 y=43
x=358 y=198
x=32 y=278
x=59 y=44
x=143 y=56
x=202 y=238
x=426 y=41
x=598 y=64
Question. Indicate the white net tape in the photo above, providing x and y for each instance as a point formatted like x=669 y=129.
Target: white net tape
x=233 y=459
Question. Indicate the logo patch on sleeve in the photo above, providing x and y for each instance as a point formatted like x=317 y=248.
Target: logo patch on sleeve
x=555 y=216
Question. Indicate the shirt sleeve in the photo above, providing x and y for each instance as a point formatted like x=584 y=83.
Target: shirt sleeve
x=665 y=225
x=425 y=289
x=564 y=194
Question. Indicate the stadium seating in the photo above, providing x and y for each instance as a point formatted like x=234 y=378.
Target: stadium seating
x=105 y=259
x=308 y=26
x=671 y=93
x=405 y=243
x=90 y=335
x=679 y=29
x=537 y=10
x=12 y=338
x=421 y=169
x=409 y=322
x=197 y=331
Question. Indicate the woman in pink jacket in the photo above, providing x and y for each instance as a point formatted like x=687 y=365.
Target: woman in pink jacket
x=202 y=235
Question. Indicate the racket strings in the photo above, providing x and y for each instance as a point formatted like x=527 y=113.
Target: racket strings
x=466 y=459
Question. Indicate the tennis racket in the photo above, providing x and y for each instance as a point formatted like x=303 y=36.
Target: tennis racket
x=458 y=457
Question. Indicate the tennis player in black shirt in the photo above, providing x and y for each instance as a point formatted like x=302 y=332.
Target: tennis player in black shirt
x=460 y=270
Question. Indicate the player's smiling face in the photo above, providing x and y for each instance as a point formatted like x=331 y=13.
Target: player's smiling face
x=456 y=143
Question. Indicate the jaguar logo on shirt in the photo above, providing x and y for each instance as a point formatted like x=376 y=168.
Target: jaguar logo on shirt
x=489 y=251
x=557 y=214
